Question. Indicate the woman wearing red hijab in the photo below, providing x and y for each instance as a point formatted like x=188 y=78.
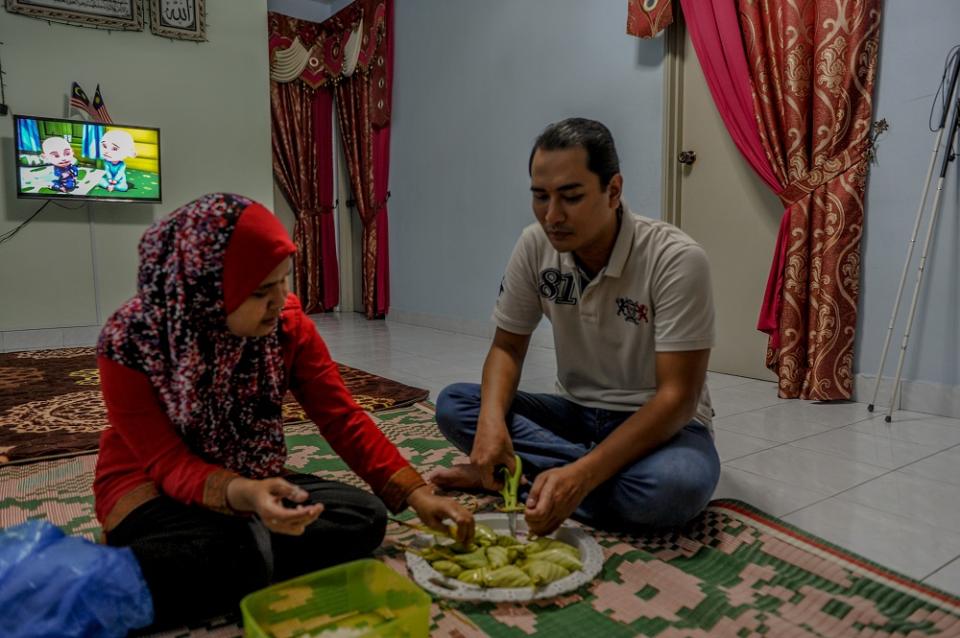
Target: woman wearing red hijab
x=191 y=470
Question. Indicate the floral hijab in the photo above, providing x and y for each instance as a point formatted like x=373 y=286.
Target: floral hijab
x=221 y=392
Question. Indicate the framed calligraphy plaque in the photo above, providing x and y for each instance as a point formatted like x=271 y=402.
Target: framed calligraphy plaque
x=104 y=14
x=180 y=19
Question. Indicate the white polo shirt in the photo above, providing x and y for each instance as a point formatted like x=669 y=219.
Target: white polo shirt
x=654 y=295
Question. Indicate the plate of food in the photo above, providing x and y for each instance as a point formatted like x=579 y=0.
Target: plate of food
x=499 y=567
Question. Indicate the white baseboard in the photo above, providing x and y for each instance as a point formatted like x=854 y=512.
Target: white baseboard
x=542 y=336
x=914 y=396
x=47 y=338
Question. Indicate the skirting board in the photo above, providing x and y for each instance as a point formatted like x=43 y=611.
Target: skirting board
x=542 y=336
x=46 y=338
x=915 y=396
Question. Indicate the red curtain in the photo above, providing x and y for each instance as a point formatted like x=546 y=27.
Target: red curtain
x=302 y=166
x=812 y=67
x=381 y=168
x=360 y=99
x=348 y=61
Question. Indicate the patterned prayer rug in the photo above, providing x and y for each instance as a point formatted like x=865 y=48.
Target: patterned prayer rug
x=735 y=571
x=50 y=403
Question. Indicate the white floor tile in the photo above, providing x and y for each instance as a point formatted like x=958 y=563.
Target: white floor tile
x=732 y=445
x=910 y=546
x=772 y=424
x=943 y=467
x=923 y=429
x=743 y=398
x=947 y=578
x=931 y=502
x=774 y=497
x=718 y=380
x=808 y=469
x=867 y=448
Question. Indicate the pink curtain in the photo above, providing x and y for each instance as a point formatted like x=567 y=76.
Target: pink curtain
x=714 y=28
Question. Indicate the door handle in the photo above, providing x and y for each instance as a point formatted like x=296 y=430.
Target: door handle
x=687 y=158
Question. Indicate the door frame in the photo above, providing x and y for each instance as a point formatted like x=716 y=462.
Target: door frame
x=673 y=59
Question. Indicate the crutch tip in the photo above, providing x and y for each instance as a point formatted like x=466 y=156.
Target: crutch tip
x=870 y=408
x=887 y=418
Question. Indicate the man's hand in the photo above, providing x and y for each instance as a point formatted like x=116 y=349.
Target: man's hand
x=433 y=510
x=492 y=447
x=555 y=495
x=265 y=499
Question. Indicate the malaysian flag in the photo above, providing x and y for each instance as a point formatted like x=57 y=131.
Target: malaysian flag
x=80 y=101
x=100 y=108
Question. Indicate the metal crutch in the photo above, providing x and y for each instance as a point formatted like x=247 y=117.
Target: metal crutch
x=947 y=158
x=910 y=247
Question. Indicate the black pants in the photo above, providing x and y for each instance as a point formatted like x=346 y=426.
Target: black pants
x=199 y=563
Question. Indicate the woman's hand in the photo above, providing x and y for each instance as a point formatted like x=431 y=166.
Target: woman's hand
x=265 y=499
x=433 y=510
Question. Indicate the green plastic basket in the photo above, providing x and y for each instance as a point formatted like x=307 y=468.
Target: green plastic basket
x=362 y=598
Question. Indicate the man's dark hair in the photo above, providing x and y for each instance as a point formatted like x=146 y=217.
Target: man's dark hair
x=594 y=137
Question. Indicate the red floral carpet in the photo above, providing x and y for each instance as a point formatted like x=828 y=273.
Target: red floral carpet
x=50 y=403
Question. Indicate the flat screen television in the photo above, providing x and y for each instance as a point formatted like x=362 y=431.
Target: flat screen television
x=70 y=159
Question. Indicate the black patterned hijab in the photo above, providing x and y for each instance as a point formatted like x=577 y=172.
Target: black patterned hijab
x=222 y=392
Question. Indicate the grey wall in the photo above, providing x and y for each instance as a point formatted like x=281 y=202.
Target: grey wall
x=211 y=103
x=915 y=41
x=475 y=82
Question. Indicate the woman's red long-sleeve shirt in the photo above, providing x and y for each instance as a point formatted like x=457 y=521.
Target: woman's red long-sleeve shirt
x=143 y=456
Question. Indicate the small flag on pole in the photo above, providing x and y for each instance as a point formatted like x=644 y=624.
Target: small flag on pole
x=100 y=108
x=80 y=101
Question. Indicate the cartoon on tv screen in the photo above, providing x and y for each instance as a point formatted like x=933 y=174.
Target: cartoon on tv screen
x=89 y=160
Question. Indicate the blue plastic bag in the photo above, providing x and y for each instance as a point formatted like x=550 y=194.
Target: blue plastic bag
x=64 y=586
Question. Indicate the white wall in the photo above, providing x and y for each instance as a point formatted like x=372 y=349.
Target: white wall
x=313 y=10
x=211 y=103
x=915 y=40
x=475 y=83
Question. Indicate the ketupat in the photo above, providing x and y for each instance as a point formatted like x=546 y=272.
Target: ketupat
x=474 y=576
x=557 y=556
x=507 y=576
x=483 y=535
x=497 y=556
x=543 y=572
x=507 y=541
x=473 y=560
x=543 y=544
x=500 y=563
x=447 y=568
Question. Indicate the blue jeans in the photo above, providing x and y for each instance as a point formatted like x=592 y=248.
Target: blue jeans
x=664 y=489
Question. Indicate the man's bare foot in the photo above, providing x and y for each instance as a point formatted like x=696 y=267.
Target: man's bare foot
x=464 y=477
